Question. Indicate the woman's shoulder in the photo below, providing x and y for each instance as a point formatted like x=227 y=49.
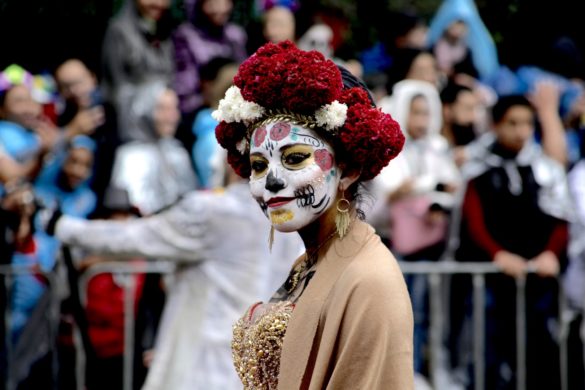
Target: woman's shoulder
x=374 y=268
x=372 y=286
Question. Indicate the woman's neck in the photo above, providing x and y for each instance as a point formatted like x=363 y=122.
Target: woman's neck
x=321 y=230
x=314 y=234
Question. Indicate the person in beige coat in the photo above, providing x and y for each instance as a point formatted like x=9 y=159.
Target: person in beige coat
x=308 y=135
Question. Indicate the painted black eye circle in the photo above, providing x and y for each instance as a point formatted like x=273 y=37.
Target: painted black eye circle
x=259 y=166
x=296 y=158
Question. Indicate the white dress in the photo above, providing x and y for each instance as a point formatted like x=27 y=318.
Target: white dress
x=220 y=242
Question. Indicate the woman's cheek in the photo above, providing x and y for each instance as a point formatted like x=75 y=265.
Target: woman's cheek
x=257 y=187
x=301 y=178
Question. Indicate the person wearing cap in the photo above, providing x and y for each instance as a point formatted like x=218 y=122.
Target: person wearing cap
x=309 y=136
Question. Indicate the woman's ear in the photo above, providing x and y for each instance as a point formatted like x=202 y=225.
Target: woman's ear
x=348 y=177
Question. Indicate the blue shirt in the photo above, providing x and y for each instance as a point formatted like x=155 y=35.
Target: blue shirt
x=18 y=142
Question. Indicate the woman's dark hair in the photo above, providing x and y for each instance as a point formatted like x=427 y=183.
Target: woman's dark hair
x=504 y=104
x=357 y=193
x=350 y=81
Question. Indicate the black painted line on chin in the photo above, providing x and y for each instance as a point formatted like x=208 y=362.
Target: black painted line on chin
x=316 y=206
x=325 y=206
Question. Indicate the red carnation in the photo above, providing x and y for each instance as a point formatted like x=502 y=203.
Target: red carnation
x=240 y=163
x=228 y=134
x=370 y=138
x=282 y=76
x=353 y=96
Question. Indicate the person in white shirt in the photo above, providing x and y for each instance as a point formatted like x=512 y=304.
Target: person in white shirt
x=218 y=240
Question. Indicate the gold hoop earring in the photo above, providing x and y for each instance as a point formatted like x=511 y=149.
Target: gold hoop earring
x=271 y=238
x=342 y=217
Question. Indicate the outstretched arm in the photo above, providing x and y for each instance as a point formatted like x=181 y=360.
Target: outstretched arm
x=176 y=234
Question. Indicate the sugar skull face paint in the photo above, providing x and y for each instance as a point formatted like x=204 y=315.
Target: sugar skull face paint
x=294 y=174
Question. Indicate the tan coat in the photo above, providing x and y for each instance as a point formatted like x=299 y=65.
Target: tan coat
x=352 y=328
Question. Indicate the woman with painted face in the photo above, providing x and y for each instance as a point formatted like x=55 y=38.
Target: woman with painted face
x=308 y=135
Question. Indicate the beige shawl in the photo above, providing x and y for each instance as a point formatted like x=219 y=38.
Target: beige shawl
x=353 y=327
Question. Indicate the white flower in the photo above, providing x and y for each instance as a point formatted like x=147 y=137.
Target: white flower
x=331 y=116
x=234 y=108
x=242 y=146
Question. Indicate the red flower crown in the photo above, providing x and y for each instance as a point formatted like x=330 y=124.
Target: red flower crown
x=281 y=82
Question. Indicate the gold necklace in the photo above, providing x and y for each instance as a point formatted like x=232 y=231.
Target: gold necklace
x=307 y=263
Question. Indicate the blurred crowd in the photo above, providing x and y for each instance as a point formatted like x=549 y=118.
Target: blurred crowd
x=126 y=167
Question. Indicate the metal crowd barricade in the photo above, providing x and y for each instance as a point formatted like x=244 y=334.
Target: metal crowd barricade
x=128 y=271
x=434 y=271
x=478 y=272
x=8 y=273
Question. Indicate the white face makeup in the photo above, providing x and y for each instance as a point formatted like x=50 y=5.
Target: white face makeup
x=294 y=174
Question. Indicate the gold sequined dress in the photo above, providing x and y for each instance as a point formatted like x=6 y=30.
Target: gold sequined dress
x=258 y=336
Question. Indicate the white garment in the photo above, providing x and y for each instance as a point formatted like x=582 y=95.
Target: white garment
x=154 y=173
x=398 y=104
x=574 y=281
x=220 y=240
x=427 y=161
